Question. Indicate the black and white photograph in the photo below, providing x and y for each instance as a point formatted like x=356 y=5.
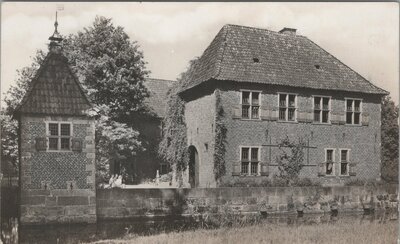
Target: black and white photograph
x=199 y=122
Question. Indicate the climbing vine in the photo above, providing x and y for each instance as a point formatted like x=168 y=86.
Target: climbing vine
x=290 y=160
x=220 y=139
x=173 y=146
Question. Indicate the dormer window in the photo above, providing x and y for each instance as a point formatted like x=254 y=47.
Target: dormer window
x=250 y=103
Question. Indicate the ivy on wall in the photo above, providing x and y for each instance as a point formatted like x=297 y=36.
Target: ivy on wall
x=173 y=146
x=220 y=139
x=290 y=160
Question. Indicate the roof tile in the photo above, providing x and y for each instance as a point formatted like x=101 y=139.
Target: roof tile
x=55 y=90
x=289 y=60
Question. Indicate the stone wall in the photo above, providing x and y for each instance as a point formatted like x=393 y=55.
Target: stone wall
x=57 y=186
x=134 y=203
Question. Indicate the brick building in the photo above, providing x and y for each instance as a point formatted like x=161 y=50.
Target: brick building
x=273 y=85
x=56 y=145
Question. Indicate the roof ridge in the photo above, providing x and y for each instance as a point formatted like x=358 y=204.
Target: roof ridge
x=219 y=59
x=369 y=82
x=33 y=83
x=150 y=78
x=262 y=29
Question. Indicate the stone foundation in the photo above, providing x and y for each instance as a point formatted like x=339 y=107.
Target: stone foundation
x=133 y=203
x=46 y=207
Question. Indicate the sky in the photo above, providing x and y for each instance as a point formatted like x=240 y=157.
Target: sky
x=365 y=36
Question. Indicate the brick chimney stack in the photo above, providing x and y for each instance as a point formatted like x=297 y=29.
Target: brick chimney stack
x=288 y=31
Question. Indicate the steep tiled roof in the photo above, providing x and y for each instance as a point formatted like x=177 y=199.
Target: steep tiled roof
x=55 y=90
x=246 y=54
x=157 y=100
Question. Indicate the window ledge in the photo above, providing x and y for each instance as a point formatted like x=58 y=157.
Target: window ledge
x=63 y=151
x=248 y=176
x=318 y=123
x=250 y=119
x=289 y=122
x=353 y=125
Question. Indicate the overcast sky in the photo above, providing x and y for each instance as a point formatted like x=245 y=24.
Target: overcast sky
x=365 y=36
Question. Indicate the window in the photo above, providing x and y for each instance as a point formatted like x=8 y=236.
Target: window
x=250 y=105
x=250 y=160
x=329 y=160
x=59 y=135
x=322 y=109
x=353 y=111
x=287 y=107
x=164 y=169
x=344 y=162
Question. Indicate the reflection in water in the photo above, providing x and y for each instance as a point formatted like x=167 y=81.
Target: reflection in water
x=76 y=233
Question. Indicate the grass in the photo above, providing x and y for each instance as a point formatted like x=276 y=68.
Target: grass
x=342 y=231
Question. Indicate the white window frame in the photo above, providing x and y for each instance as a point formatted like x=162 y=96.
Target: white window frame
x=348 y=161
x=321 y=109
x=249 y=161
x=333 y=161
x=250 y=104
x=59 y=136
x=353 y=111
x=287 y=107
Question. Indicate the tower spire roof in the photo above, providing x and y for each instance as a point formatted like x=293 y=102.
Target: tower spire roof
x=56 y=37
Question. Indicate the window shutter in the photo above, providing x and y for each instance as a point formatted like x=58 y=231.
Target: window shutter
x=264 y=170
x=352 y=171
x=341 y=117
x=265 y=114
x=236 y=170
x=310 y=116
x=335 y=118
x=41 y=143
x=237 y=113
x=321 y=169
x=274 y=114
x=365 y=119
x=301 y=116
x=77 y=144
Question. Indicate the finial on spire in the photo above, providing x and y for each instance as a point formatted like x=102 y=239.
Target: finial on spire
x=56 y=37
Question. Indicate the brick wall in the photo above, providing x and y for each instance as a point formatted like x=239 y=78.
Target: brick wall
x=200 y=122
x=362 y=141
x=57 y=186
x=133 y=203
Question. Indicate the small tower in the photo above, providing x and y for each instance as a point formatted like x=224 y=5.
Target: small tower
x=56 y=145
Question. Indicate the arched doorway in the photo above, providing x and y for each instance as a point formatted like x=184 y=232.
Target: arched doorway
x=193 y=167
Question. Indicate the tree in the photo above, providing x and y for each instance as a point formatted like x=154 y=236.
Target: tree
x=9 y=144
x=390 y=139
x=290 y=160
x=111 y=69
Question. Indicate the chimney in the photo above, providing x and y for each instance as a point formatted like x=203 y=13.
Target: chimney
x=288 y=31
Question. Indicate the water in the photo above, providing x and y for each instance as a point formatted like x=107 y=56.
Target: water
x=77 y=233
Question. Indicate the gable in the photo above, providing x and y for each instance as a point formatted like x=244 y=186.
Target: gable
x=54 y=90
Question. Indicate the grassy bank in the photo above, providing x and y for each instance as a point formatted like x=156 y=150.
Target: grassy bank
x=341 y=231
